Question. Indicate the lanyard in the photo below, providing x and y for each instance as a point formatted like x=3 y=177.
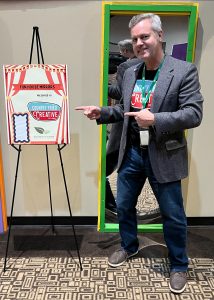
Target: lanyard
x=145 y=98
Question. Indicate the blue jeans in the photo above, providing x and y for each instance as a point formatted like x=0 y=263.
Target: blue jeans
x=132 y=175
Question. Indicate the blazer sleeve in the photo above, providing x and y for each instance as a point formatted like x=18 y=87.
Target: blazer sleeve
x=114 y=90
x=111 y=114
x=189 y=106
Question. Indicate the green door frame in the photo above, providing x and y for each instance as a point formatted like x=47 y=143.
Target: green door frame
x=132 y=8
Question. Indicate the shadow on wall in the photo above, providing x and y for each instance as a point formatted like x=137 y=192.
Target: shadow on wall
x=206 y=11
x=191 y=180
x=199 y=42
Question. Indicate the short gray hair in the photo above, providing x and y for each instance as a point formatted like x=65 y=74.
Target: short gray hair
x=126 y=45
x=156 y=21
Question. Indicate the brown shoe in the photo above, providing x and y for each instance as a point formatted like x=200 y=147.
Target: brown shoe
x=177 y=282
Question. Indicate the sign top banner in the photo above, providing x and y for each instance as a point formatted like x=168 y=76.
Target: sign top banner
x=37 y=104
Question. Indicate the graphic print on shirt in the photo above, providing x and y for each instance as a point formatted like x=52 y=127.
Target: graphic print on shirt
x=136 y=101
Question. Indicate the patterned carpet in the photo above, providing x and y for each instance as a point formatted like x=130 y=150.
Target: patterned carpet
x=44 y=266
x=43 y=278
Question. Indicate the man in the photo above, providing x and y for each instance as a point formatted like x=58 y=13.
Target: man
x=115 y=92
x=153 y=142
x=126 y=49
x=112 y=151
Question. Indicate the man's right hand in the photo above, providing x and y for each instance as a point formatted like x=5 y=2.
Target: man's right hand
x=91 y=112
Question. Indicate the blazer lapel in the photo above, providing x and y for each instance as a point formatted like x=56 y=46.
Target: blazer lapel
x=162 y=85
x=130 y=83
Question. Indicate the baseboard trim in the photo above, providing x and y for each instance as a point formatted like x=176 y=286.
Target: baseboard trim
x=200 y=221
x=56 y=220
x=88 y=220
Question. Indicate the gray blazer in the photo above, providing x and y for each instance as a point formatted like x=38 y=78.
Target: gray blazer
x=177 y=105
x=115 y=90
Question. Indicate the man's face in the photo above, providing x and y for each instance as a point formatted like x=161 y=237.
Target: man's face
x=124 y=53
x=146 y=41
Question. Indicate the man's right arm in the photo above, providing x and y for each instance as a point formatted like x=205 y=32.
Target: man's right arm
x=91 y=112
x=103 y=115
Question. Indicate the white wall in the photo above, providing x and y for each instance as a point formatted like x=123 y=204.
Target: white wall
x=201 y=140
x=70 y=32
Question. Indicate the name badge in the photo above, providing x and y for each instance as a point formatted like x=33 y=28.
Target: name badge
x=144 y=137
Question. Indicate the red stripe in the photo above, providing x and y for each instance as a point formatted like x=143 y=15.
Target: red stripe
x=57 y=135
x=11 y=83
x=60 y=81
x=50 y=79
x=21 y=80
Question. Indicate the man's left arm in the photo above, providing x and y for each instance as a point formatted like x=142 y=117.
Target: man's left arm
x=190 y=109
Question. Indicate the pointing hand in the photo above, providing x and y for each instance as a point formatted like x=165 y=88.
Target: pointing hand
x=144 y=117
x=91 y=112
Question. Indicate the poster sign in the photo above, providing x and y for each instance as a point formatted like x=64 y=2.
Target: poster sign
x=37 y=104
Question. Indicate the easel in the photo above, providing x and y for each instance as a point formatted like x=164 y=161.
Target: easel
x=18 y=149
